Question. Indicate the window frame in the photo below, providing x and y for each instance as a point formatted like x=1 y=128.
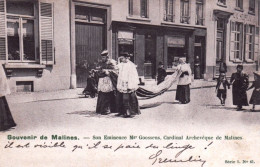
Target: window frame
x=254 y=7
x=251 y=49
x=20 y=17
x=131 y=5
x=239 y=5
x=167 y=13
x=240 y=41
x=199 y=21
x=185 y=18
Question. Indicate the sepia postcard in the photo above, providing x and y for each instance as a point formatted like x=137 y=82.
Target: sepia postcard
x=129 y=83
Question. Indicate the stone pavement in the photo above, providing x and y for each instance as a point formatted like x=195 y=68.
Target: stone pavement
x=76 y=93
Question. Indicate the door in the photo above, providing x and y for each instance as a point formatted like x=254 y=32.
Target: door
x=90 y=30
x=150 y=56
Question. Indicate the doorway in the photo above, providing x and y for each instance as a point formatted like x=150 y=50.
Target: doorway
x=90 y=28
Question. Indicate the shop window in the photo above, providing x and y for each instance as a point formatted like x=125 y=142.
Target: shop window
x=126 y=43
x=199 y=12
x=169 y=10
x=21 y=31
x=251 y=6
x=138 y=8
x=185 y=11
x=236 y=40
x=249 y=42
x=239 y=4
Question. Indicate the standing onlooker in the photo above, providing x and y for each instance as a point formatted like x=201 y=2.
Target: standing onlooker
x=161 y=73
x=91 y=88
x=221 y=88
x=255 y=98
x=183 y=86
x=127 y=84
x=240 y=83
x=106 y=97
x=6 y=119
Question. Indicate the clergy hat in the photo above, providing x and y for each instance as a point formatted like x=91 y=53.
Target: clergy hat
x=104 y=53
x=160 y=63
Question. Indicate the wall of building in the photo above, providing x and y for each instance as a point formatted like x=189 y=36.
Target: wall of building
x=211 y=24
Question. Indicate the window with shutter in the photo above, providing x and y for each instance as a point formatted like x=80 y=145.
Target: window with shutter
x=20 y=23
x=232 y=41
x=2 y=30
x=46 y=33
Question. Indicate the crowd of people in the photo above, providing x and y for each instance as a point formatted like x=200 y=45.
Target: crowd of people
x=116 y=85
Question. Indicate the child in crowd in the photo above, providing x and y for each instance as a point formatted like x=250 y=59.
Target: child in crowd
x=161 y=73
x=221 y=88
x=255 y=98
x=91 y=88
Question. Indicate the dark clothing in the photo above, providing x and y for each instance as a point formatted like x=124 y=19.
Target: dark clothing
x=91 y=88
x=255 y=97
x=161 y=75
x=106 y=103
x=240 y=84
x=127 y=104
x=222 y=67
x=224 y=82
x=222 y=93
x=6 y=119
x=183 y=93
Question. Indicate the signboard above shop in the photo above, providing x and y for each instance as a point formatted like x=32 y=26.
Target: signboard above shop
x=176 y=41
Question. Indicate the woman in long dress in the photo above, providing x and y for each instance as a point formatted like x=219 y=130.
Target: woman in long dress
x=255 y=97
x=240 y=82
x=6 y=119
x=183 y=86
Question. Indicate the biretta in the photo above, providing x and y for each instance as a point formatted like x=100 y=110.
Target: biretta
x=104 y=53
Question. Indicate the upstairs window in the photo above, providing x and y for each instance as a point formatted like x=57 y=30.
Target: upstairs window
x=251 y=7
x=249 y=42
x=199 y=12
x=138 y=8
x=168 y=10
x=239 y=4
x=236 y=41
x=21 y=30
x=185 y=11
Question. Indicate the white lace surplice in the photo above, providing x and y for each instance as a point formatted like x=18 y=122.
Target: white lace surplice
x=128 y=77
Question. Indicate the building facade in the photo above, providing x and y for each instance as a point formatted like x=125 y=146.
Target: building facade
x=51 y=44
x=234 y=35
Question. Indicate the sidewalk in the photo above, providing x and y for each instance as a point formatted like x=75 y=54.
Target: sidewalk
x=76 y=93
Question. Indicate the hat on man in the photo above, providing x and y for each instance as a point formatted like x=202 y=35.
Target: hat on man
x=104 y=53
x=160 y=63
x=240 y=66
